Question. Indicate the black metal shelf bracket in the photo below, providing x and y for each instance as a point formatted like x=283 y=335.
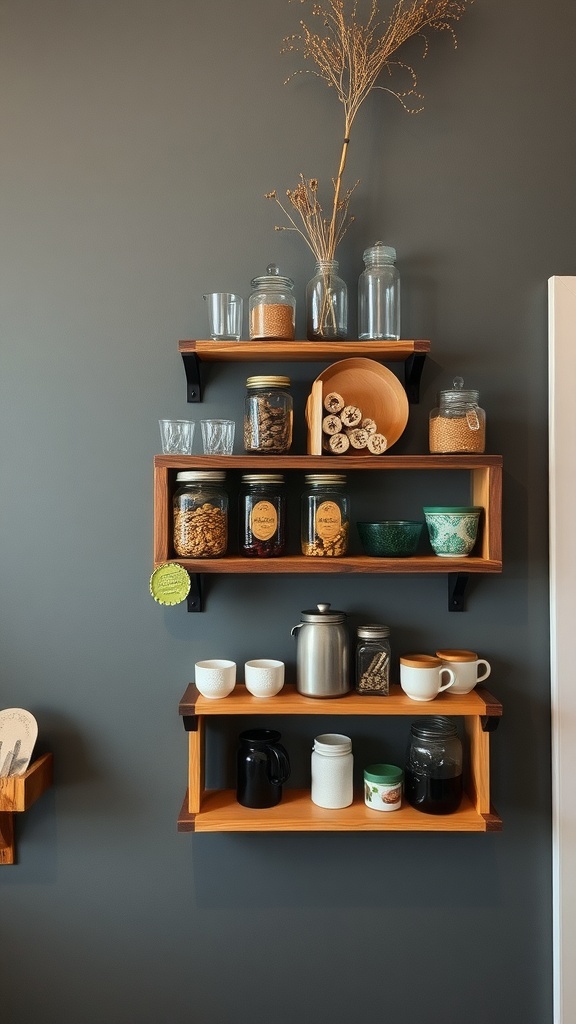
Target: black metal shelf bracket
x=489 y=723
x=412 y=374
x=194 y=599
x=190 y=723
x=193 y=377
x=457 y=583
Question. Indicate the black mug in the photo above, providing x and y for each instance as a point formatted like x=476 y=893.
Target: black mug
x=263 y=767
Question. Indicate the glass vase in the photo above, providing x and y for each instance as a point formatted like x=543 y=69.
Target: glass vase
x=326 y=304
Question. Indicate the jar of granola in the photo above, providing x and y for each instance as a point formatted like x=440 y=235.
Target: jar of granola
x=457 y=424
x=272 y=306
x=200 y=510
x=325 y=515
x=268 y=413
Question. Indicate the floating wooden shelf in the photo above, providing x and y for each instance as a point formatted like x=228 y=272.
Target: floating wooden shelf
x=218 y=810
x=18 y=793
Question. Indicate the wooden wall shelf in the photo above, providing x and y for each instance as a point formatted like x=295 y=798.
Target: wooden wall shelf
x=18 y=793
x=218 y=810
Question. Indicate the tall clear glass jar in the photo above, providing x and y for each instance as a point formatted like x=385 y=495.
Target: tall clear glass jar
x=268 y=415
x=262 y=515
x=200 y=514
x=457 y=423
x=379 y=295
x=433 y=775
x=326 y=304
x=272 y=306
x=325 y=515
x=373 y=659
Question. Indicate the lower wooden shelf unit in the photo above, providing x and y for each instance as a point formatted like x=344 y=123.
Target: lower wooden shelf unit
x=18 y=793
x=218 y=810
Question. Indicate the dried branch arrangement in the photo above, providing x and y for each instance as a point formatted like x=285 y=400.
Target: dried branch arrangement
x=351 y=55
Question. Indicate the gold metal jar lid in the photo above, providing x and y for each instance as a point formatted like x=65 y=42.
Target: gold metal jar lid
x=268 y=382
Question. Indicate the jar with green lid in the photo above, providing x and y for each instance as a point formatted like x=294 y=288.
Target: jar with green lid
x=373 y=659
x=325 y=515
x=262 y=515
x=200 y=511
x=457 y=423
x=272 y=306
x=268 y=414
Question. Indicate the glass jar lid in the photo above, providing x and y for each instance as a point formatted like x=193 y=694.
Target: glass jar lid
x=436 y=727
x=262 y=478
x=378 y=253
x=458 y=395
x=373 y=631
x=317 y=479
x=268 y=382
x=200 y=475
x=272 y=279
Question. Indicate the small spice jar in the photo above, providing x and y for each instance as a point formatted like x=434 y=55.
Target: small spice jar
x=200 y=510
x=272 y=306
x=457 y=424
x=325 y=515
x=433 y=775
x=379 y=295
x=268 y=415
x=383 y=787
x=262 y=515
x=373 y=659
x=332 y=771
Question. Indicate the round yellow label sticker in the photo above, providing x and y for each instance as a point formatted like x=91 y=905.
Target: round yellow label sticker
x=170 y=583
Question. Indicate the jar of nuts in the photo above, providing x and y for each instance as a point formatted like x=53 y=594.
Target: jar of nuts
x=457 y=424
x=200 y=507
x=268 y=412
x=262 y=515
x=272 y=306
x=325 y=515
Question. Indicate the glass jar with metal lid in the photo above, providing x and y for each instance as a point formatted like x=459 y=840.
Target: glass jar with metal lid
x=457 y=424
x=433 y=775
x=373 y=659
x=268 y=414
x=200 y=511
x=262 y=515
x=325 y=515
x=272 y=306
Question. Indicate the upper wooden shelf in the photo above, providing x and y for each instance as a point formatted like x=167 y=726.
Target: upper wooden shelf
x=411 y=353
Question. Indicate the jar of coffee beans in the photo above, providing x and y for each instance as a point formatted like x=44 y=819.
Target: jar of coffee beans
x=200 y=510
x=457 y=424
x=272 y=306
x=373 y=659
x=325 y=515
x=268 y=413
x=262 y=515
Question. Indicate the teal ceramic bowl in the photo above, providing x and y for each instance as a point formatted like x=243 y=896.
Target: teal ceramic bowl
x=452 y=529
x=391 y=538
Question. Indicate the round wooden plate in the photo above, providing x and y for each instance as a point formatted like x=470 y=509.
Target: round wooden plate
x=374 y=389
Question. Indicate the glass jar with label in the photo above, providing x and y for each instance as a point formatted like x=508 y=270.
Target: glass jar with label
x=272 y=306
x=373 y=659
x=457 y=424
x=379 y=295
x=200 y=514
x=433 y=775
x=268 y=415
x=325 y=515
x=262 y=515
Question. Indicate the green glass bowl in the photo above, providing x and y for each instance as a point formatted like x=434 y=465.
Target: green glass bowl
x=452 y=529
x=390 y=538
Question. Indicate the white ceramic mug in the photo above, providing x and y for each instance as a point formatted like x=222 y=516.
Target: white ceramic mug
x=215 y=678
x=467 y=668
x=423 y=676
x=264 y=677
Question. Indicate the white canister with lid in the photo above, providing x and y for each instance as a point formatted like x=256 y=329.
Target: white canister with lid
x=332 y=768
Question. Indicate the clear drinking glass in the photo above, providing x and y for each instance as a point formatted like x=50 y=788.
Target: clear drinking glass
x=177 y=436
x=225 y=312
x=218 y=436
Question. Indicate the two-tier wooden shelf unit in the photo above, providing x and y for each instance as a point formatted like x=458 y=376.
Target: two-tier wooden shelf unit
x=218 y=810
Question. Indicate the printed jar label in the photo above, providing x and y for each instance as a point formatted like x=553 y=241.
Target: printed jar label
x=263 y=520
x=328 y=520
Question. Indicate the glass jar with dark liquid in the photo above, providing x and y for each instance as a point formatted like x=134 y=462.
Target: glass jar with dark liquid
x=433 y=775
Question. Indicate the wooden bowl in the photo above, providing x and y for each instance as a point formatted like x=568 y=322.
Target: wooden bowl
x=370 y=386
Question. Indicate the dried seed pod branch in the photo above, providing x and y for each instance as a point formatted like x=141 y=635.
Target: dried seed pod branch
x=350 y=55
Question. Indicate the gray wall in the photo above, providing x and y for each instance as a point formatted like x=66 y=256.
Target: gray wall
x=138 y=139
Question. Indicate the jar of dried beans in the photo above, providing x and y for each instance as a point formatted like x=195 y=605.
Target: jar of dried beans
x=262 y=515
x=272 y=306
x=457 y=424
x=325 y=515
x=373 y=659
x=200 y=508
x=268 y=412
